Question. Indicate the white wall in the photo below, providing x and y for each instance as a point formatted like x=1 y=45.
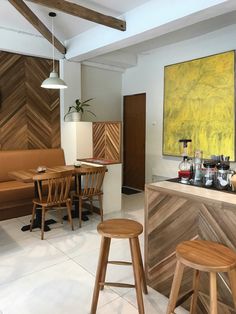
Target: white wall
x=70 y=72
x=148 y=77
x=105 y=87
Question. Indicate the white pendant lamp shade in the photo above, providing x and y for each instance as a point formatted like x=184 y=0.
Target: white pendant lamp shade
x=54 y=81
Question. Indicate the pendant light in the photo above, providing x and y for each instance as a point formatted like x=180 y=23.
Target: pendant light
x=53 y=82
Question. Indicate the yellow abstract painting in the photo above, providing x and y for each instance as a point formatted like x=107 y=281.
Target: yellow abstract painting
x=199 y=104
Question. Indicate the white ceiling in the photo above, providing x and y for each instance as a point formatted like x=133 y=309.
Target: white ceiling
x=150 y=24
x=66 y=26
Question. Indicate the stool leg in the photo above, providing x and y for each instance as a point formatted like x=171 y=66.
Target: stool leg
x=232 y=278
x=100 y=206
x=143 y=279
x=137 y=275
x=179 y=269
x=104 y=268
x=213 y=293
x=102 y=256
x=196 y=278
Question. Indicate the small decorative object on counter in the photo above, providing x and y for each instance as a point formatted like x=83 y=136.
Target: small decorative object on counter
x=41 y=169
x=185 y=167
x=222 y=177
x=77 y=164
x=208 y=173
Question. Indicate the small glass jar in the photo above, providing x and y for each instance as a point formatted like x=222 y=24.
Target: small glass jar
x=185 y=170
x=222 y=177
x=209 y=173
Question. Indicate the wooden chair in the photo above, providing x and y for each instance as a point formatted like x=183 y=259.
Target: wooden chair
x=55 y=193
x=204 y=256
x=91 y=187
x=120 y=229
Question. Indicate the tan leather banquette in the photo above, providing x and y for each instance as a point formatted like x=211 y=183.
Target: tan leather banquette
x=16 y=197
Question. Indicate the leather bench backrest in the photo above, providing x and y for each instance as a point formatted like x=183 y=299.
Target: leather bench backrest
x=29 y=159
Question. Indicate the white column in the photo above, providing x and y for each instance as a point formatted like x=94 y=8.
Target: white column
x=70 y=72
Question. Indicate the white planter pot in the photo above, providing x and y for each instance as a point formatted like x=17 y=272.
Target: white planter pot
x=76 y=116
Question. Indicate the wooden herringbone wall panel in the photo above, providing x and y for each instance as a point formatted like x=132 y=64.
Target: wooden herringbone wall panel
x=172 y=218
x=99 y=140
x=29 y=114
x=107 y=140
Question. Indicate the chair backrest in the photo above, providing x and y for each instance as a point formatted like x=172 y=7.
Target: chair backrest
x=56 y=186
x=92 y=181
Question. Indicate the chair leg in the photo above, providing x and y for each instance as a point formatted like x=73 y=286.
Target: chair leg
x=80 y=212
x=100 y=206
x=60 y=214
x=32 y=218
x=175 y=287
x=143 y=277
x=196 y=278
x=68 y=206
x=91 y=204
x=102 y=256
x=213 y=293
x=104 y=269
x=232 y=278
x=137 y=275
x=42 y=222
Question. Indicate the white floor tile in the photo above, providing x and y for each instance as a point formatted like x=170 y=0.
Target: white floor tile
x=64 y=288
x=27 y=256
x=119 y=306
x=57 y=275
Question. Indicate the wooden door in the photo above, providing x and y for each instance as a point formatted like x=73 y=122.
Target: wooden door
x=134 y=141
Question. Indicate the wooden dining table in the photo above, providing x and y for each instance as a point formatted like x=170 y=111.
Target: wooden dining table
x=27 y=175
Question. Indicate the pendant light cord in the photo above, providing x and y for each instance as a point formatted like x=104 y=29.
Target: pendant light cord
x=53 y=52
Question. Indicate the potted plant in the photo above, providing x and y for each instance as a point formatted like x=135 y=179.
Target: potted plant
x=78 y=109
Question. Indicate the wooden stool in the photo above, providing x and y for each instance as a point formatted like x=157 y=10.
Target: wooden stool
x=120 y=229
x=203 y=256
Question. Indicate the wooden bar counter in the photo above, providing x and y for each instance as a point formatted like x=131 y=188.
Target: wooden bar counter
x=176 y=212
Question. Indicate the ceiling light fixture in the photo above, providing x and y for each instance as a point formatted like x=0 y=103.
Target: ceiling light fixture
x=54 y=81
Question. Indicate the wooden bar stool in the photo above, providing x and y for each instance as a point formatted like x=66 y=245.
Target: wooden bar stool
x=203 y=256
x=120 y=229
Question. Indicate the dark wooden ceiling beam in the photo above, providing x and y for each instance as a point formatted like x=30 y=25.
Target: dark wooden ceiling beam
x=84 y=13
x=35 y=21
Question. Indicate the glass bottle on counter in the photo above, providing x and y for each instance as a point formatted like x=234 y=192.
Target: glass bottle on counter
x=197 y=169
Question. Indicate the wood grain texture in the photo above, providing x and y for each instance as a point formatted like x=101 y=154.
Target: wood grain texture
x=29 y=114
x=107 y=140
x=172 y=217
x=36 y=22
x=84 y=13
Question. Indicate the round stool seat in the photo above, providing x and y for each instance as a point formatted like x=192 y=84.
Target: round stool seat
x=120 y=228
x=206 y=256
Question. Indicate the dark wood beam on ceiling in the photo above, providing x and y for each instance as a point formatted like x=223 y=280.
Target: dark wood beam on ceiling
x=35 y=21
x=84 y=13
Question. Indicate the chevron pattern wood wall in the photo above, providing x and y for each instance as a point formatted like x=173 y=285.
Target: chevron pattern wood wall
x=173 y=217
x=29 y=114
x=107 y=140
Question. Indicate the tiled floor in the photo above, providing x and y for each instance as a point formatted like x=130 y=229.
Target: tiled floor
x=57 y=275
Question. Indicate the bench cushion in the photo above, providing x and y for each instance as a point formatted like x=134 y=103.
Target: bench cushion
x=14 y=190
x=27 y=159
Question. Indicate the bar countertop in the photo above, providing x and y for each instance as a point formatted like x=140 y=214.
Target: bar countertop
x=100 y=161
x=195 y=191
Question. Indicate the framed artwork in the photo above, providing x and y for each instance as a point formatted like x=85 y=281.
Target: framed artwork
x=199 y=104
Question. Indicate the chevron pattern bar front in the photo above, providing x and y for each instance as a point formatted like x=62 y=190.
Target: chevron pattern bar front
x=29 y=114
x=107 y=140
x=173 y=216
